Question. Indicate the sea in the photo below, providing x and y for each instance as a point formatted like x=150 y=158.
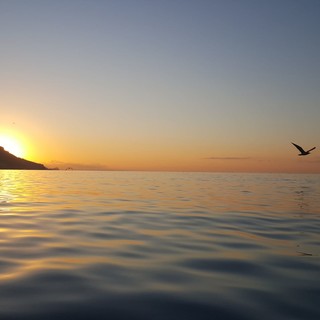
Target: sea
x=155 y=245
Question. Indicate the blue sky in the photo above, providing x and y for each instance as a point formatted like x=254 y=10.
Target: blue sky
x=176 y=81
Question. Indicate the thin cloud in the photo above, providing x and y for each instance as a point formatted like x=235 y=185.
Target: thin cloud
x=77 y=166
x=317 y=160
x=227 y=158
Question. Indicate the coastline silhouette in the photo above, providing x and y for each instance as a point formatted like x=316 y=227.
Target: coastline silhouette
x=302 y=151
x=10 y=161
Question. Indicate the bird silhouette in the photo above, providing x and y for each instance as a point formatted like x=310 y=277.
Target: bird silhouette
x=302 y=152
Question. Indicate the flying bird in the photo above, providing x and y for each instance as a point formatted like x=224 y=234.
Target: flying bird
x=302 y=152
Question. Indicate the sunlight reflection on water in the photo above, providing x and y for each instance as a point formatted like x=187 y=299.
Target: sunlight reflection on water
x=164 y=245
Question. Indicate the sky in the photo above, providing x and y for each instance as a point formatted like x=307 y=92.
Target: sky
x=177 y=85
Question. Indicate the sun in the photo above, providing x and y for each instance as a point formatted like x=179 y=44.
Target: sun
x=12 y=145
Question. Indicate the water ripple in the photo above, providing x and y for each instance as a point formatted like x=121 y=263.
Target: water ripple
x=119 y=245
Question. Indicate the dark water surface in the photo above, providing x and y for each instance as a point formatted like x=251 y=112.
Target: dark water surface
x=126 y=245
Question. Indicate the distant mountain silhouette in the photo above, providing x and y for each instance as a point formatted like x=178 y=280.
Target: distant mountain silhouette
x=9 y=161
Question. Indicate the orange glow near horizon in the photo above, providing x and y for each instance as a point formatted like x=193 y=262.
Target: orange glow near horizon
x=12 y=145
x=81 y=153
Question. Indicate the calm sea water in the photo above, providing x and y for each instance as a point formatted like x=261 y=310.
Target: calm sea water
x=129 y=245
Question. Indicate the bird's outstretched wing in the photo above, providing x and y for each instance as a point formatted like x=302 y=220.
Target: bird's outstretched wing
x=311 y=149
x=299 y=148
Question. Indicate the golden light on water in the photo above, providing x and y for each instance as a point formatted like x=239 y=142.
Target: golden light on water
x=12 y=145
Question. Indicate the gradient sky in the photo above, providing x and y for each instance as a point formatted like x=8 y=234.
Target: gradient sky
x=162 y=84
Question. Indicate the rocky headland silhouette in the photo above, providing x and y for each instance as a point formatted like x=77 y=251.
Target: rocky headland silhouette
x=9 y=161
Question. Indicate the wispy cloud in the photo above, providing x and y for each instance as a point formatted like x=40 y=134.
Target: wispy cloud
x=227 y=158
x=316 y=160
x=76 y=166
